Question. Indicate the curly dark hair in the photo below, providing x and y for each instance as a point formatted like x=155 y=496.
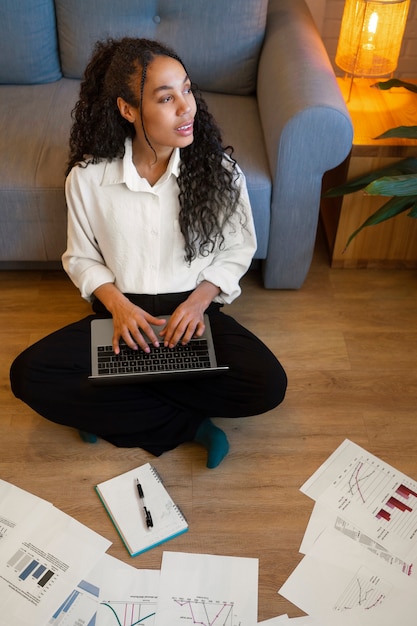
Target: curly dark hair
x=208 y=194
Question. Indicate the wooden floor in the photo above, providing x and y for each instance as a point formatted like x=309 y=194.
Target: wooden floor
x=348 y=341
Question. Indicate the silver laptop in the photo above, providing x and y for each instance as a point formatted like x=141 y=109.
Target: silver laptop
x=197 y=358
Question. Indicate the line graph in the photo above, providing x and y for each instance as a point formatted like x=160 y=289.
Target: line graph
x=363 y=482
x=365 y=592
x=206 y=612
x=359 y=475
x=114 y=613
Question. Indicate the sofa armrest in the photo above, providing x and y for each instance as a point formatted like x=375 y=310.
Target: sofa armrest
x=307 y=131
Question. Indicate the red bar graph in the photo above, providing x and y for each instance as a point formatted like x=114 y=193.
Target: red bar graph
x=382 y=514
x=406 y=492
x=393 y=503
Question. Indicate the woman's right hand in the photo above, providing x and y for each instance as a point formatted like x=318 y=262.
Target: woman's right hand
x=128 y=320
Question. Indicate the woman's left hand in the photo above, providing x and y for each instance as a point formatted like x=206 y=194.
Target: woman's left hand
x=187 y=321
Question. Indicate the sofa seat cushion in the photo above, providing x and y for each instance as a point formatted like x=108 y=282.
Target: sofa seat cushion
x=238 y=118
x=35 y=139
x=29 y=46
x=218 y=41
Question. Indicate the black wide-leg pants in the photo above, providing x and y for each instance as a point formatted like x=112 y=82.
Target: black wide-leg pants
x=52 y=378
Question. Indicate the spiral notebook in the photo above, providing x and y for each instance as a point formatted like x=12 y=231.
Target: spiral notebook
x=141 y=509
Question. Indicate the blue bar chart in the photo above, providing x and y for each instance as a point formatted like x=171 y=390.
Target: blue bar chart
x=80 y=607
x=32 y=575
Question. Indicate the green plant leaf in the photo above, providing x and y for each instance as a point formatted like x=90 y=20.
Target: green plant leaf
x=393 y=186
x=395 y=82
x=404 y=167
x=390 y=209
x=404 y=132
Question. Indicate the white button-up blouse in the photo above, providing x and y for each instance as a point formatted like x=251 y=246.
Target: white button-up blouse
x=124 y=231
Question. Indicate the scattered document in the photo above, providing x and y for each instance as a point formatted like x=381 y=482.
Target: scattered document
x=207 y=590
x=19 y=509
x=371 y=495
x=340 y=583
x=80 y=606
x=41 y=562
x=128 y=596
x=322 y=518
x=360 y=544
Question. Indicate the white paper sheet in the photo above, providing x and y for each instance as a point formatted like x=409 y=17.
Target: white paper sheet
x=41 y=563
x=323 y=517
x=19 y=509
x=80 y=606
x=128 y=596
x=371 y=495
x=340 y=583
x=281 y=620
x=207 y=590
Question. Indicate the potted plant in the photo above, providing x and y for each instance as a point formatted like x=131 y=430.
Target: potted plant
x=397 y=181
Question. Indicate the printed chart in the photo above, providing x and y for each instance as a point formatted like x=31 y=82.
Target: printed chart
x=205 y=612
x=404 y=566
x=79 y=608
x=369 y=484
x=30 y=574
x=119 y=613
x=365 y=592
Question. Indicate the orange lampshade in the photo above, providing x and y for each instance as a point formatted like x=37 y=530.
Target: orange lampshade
x=371 y=35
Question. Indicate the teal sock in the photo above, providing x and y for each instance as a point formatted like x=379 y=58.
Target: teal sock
x=215 y=442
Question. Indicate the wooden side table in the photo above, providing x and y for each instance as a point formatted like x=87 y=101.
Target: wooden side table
x=392 y=244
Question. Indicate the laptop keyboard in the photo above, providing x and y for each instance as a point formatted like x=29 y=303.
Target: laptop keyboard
x=192 y=356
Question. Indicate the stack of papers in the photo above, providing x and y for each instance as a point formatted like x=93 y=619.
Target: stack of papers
x=360 y=545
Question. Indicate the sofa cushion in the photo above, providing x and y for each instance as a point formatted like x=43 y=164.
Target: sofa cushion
x=221 y=57
x=238 y=118
x=35 y=140
x=29 y=47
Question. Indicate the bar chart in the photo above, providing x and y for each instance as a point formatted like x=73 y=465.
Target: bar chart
x=32 y=575
x=80 y=607
x=404 y=501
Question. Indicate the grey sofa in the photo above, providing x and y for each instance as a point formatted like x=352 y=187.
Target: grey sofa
x=265 y=75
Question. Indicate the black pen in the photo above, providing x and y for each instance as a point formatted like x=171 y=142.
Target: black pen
x=147 y=513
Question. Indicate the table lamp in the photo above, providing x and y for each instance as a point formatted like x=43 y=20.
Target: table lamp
x=370 y=36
